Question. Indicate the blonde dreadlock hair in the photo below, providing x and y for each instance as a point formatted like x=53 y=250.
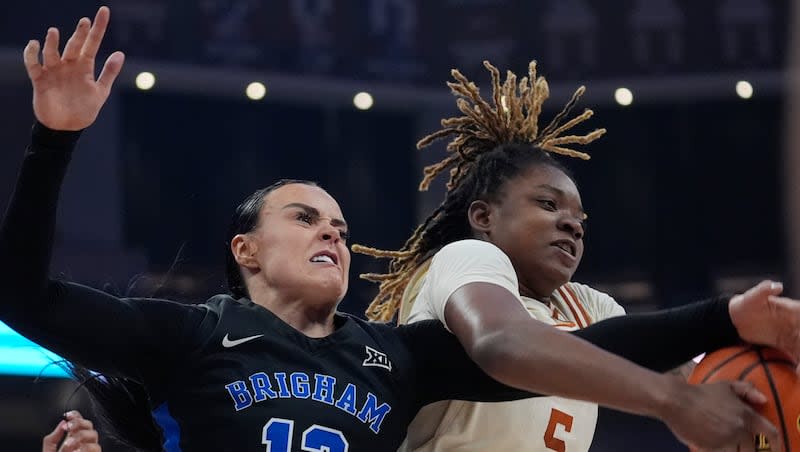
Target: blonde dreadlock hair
x=492 y=143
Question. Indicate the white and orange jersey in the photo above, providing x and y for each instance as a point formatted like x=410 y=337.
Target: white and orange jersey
x=540 y=424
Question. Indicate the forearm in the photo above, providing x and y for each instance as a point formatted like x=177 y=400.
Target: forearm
x=664 y=340
x=570 y=367
x=27 y=229
x=69 y=318
x=65 y=318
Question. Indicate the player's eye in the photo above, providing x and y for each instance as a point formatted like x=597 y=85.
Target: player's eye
x=344 y=234
x=548 y=204
x=305 y=217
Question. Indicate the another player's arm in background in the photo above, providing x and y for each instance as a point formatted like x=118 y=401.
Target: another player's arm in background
x=73 y=434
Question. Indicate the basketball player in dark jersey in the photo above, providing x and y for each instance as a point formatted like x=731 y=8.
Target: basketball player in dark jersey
x=273 y=365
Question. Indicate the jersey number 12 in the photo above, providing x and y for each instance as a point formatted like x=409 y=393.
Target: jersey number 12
x=278 y=433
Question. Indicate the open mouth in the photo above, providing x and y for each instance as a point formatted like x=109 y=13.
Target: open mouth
x=567 y=246
x=325 y=257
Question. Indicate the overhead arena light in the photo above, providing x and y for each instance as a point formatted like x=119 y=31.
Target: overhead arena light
x=145 y=80
x=623 y=96
x=744 y=89
x=363 y=100
x=256 y=91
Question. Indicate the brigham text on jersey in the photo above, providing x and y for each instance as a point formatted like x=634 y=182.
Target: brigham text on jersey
x=322 y=388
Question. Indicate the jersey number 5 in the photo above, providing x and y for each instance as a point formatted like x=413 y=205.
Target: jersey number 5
x=557 y=418
x=278 y=432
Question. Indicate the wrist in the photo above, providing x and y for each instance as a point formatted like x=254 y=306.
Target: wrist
x=666 y=397
x=50 y=138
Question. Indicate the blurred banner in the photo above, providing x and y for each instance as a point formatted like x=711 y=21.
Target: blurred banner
x=417 y=42
x=19 y=356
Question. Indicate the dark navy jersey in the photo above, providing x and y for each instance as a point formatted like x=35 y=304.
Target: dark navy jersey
x=234 y=377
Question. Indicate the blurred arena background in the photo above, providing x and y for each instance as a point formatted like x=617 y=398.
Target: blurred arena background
x=692 y=192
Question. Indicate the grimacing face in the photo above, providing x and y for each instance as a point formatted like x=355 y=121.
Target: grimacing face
x=300 y=245
x=538 y=222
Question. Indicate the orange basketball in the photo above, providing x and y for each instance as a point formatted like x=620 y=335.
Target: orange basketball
x=772 y=372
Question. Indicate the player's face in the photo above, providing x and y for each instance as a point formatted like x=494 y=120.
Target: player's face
x=539 y=225
x=301 y=244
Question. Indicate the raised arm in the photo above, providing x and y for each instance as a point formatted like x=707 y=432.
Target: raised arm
x=66 y=99
x=84 y=325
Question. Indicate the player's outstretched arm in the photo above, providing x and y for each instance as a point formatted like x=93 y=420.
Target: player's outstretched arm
x=66 y=99
x=68 y=318
x=521 y=352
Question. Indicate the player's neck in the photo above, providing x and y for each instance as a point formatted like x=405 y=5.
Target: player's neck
x=311 y=324
x=529 y=293
x=310 y=319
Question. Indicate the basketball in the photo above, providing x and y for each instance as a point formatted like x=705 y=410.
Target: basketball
x=769 y=370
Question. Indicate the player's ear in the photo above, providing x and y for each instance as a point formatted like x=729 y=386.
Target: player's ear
x=244 y=250
x=480 y=214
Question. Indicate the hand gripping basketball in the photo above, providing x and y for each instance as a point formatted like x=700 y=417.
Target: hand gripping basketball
x=762 y=317
x=707 y=417
x=760 y=371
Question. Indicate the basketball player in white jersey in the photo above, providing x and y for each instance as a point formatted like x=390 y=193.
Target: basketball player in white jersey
x=525 y=210
x=541 y=424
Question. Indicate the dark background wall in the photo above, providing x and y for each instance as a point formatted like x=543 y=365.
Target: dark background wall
x=684 y=193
